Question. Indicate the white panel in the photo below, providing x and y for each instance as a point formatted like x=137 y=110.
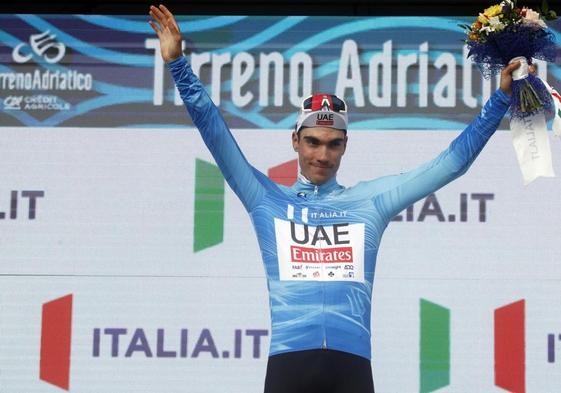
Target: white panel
x=115 y=229
x=221 y=305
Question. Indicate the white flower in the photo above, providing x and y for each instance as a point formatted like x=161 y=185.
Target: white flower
x=487 y=29
x=496 y=24
x=532 y=18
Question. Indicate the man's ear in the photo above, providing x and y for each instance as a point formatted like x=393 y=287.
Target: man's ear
x=345 y=144
x=295 y=140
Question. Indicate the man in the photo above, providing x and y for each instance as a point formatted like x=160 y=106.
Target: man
x=318 y=239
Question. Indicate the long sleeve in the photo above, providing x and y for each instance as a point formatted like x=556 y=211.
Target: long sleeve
x=402 y=190
x=239 y=174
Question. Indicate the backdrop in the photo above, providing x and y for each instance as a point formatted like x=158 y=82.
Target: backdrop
x=127 y=264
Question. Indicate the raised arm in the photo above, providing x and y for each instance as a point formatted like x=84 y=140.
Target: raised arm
x=239 y=174
x=398 y=192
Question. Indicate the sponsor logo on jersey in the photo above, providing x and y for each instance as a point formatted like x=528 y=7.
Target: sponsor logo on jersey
x=328 y=214
x=328 y=252
x=314 y=255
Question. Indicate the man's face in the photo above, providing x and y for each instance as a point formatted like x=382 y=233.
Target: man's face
x=319 y=152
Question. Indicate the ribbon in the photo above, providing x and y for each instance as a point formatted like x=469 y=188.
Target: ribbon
x=531 y=144
x=530 y=139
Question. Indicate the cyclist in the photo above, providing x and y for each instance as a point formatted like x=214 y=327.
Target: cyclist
x=318 y=239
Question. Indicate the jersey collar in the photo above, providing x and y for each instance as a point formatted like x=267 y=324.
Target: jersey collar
x=305 y=188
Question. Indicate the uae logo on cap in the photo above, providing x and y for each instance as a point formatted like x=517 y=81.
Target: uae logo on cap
x=324 y=119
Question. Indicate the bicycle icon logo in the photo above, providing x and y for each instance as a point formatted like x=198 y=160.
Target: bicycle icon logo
x=40 y=44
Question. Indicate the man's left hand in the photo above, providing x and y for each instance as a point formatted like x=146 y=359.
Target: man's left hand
x=506 y=76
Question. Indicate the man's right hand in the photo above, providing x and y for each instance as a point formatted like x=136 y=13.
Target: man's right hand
x=168 y=32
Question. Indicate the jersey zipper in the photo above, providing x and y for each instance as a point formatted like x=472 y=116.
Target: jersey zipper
x=324 y=342
x=324 y=339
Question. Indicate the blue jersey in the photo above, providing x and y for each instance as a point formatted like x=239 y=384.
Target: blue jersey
x=319 y=243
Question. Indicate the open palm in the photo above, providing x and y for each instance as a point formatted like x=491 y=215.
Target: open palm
x=168 y=32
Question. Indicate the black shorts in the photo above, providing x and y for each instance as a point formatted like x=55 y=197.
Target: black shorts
x=318 y=371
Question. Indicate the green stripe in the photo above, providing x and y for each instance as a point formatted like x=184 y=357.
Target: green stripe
x=435 y=347
x=209 y=206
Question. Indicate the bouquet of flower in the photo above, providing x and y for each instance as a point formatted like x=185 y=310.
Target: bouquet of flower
x=505 y=33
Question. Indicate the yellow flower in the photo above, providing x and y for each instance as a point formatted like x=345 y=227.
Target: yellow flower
x=483 y=19
x=494 y=10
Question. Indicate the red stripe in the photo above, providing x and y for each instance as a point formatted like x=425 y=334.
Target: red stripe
x=556 y=95
x=56 y=331
x=510 y=353
x=285 y=173
x=317 y=100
